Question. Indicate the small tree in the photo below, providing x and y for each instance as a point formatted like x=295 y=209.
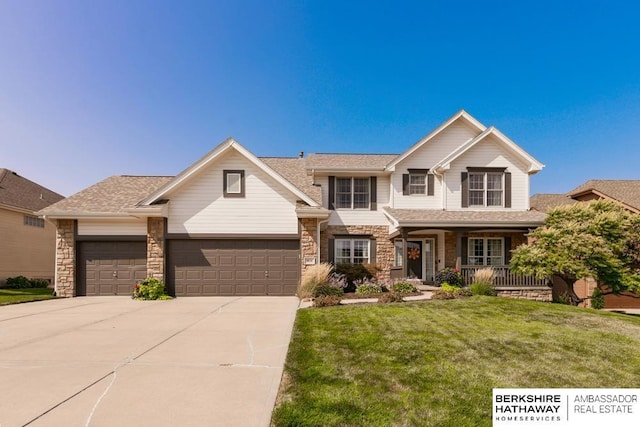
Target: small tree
x=598 y=239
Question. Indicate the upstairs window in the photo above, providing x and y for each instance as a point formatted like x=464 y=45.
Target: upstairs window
x=486 y=187
x=233 y=183
x=352 y=193
x=417 y=183
x=33 y=221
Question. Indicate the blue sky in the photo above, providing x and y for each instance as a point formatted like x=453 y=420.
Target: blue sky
x=90 y=89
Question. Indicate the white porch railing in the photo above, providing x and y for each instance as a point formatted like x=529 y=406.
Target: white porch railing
x=503 y=277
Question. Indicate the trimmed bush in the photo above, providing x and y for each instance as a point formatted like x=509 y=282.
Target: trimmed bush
x=367 y=287
x=388 y=297
x=314 y=276
x=482 y=288
x=353 y=273
x=450 y=276
x=18 y=282
x=39 y=283
x=328 y=290
x=403 y=287
x=597 y=299
x=150 y=289
x=326 y=301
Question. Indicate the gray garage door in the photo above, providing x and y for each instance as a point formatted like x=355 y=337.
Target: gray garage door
x=110 y=268
x=233 y=267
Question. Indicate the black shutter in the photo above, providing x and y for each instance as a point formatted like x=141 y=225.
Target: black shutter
x=465 y=189
x=464 y=241
x=372 y=250
x=374 y=193
x=332 y=192
x=430 y=184
x=507 y=250
x=331 y=250
x=405 y=184
x=507 y=189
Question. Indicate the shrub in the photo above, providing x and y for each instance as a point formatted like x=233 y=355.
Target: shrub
x=403 y=287
x=338 y=280
x=388 y=297
x=484 y=275
x=353 y=273
x=150 y=289
x=440 y=294
x=562 y=299
x=448 y=291
x=326 y=301
x=314 y=276
x=18 y=282
x=450 y=276
x=597 y=299
x=39 y=283
x=369 y=287
x=446 y=287
x=483 y=288
x=328 y=290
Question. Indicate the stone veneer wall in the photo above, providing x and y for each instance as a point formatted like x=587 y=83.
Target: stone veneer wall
x=65 y=258
x=533 y=294
x=308 y=241
x=517 y=239
x=384 y=246
x=155 y=247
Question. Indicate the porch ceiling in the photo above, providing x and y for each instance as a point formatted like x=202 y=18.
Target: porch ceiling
x=431 y=218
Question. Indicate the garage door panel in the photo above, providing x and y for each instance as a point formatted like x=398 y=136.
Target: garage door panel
x=98 y=261
x=234 y=267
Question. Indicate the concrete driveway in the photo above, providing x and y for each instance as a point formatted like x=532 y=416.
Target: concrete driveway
x=113 y=361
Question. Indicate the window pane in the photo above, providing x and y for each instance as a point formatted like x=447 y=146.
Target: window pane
x=494 y=181
x=343 y=200
x=398 y=253
x=417 y=179
x=361 y=185
x=343 y=185
x=361 y=193
x=233 y=183
x=494 y=247
x=342 y=251
x=476 y=181
x=343 y=193
x=360 y=201
x=360 y=251
x=476 y=198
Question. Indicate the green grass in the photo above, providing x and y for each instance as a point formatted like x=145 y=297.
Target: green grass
x=14 y=296
x=435 y=363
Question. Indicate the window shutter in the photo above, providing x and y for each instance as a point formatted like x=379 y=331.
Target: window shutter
x=465 y=189
x=430 y=184
x=464 y=241
x=332 y=192
x=405 y=184
x=332 y=251
x=374 y=193
x=507 y=250
x=507 y=189
x=372 y=251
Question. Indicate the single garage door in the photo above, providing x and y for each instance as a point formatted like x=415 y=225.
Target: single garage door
x=110 y=268
x=233 y=267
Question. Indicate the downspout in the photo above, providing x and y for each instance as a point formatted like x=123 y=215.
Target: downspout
x=319 y=226
x=55 y=261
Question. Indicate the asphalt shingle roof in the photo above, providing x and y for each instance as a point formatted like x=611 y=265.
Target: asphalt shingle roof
x=112 y=195
x=434 y=216
x=293 y=169
x=625 y=191
x=348 y=161
x=22 y=193
x=546 y=202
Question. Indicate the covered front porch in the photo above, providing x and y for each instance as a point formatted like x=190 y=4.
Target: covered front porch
x=426 y=242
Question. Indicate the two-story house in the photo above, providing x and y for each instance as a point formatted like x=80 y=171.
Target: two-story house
x=236 y=224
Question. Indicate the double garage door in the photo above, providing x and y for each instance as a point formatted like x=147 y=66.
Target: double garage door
x=194 y=267
x=233 y=267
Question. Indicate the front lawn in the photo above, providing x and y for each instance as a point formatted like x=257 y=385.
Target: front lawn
x=435 y=363
x=13 y=296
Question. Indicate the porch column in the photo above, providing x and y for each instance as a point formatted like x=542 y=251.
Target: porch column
x=458 y=250
x=405 y=249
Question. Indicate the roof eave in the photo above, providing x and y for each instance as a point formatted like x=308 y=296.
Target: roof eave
x=466 y=224
x=81 y=215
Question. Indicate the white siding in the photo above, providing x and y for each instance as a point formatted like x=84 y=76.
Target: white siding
x=488 y=153
x=358 y=216
x=425 y=157
x=120 y=227
x=198 y=206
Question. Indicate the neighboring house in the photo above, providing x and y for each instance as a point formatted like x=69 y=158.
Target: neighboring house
x=625 y=192
x=236 y=224
x=27 y=243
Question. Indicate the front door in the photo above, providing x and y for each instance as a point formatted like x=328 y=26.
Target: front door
x=414 y=259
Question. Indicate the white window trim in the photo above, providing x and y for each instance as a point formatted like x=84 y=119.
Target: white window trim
x=485 y=190
x=423 y=186
x=351 y=249
x=484 y=250
x=352 y=192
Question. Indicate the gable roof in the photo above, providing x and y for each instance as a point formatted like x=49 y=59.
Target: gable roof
x=546 y=202
x=626 y=192
x=112 y=196
x=462 y=114
x=533 y=164
x=225 y=146
x=339 y=162
x=19 y=192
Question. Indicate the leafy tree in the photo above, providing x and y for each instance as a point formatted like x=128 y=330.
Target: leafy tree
x=600 y=240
